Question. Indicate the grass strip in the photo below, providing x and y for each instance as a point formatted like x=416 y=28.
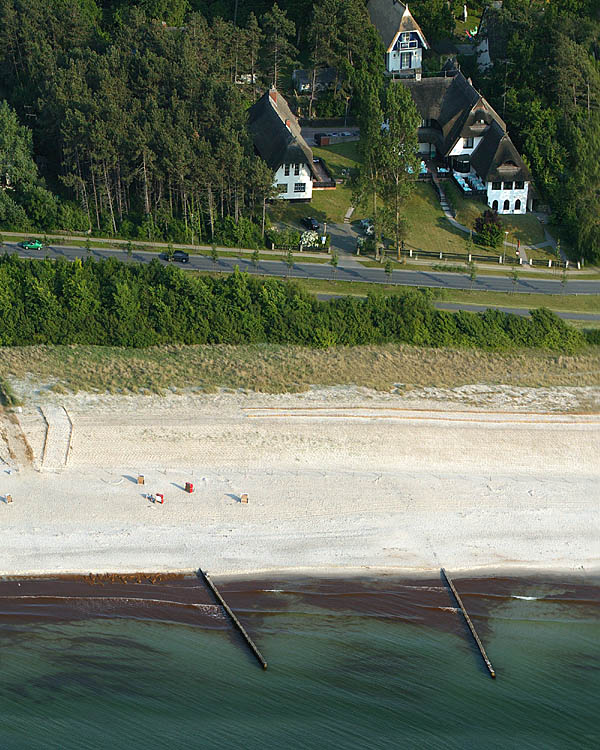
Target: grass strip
x=277 y=369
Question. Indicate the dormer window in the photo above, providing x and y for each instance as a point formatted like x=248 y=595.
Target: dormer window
x=468 y=142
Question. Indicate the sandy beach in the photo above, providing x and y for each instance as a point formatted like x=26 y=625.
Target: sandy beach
x=337 y=480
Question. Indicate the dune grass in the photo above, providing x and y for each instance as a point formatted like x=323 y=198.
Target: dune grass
x=7 y=395
x=277 y=369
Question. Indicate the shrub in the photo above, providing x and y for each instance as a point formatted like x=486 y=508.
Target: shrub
x=489 y=228
x=592 y=336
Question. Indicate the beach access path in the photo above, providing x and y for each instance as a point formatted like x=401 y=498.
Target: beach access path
x=336 y=479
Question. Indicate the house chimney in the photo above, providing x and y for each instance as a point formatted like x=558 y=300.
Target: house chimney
x=273 y=95
x=288 y=124
x=469 y=81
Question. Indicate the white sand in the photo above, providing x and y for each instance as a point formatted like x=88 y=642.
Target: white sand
x=337 y=479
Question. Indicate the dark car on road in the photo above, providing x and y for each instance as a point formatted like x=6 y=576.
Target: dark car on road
x=311 y=223
x=179 y=256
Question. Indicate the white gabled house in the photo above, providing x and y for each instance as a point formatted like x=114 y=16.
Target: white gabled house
x=277 y=139
x=401 y=35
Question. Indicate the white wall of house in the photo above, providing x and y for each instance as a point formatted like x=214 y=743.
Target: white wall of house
x=293 y=186
x=394 y=61
x=512 y=196
x=460 y=149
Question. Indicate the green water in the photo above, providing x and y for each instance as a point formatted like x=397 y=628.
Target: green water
x=335 y=680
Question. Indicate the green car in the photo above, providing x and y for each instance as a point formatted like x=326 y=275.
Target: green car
x=32 y=245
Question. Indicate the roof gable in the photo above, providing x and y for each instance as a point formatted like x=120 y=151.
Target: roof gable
x=391 y=18
x=456 y=106
x=496 y=159
x=276 y=132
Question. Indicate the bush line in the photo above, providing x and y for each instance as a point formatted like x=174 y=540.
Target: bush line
x=139 y=305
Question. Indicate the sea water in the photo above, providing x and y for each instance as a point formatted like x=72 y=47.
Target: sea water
x=351 y=665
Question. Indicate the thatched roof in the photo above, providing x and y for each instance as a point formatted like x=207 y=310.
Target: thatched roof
x=456 y=106
x=390 y=18
x=497 y=160
x=458 y=110
x=276 y=132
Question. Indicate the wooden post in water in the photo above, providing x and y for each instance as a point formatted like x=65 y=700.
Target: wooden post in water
x=488 y=663
x=234 y=619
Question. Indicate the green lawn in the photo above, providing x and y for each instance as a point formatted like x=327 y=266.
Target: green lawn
x=473 y=20
x=340 y=156
x=326 y=205
x=428 y=228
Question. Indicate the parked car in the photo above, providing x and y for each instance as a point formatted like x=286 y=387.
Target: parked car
x=31 y=244
x=180 y=256
x=311 y=223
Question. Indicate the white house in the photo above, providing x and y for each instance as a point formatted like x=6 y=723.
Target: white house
x=460 y=128
x=401 y=35
x=277 y=139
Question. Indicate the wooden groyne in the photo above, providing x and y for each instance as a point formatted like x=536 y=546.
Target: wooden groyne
x=234 y=619
x=488 y=663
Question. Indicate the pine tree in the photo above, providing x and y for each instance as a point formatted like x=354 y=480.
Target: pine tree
x=277 y=50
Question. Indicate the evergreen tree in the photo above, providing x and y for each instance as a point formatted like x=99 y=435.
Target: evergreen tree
x=277 y=50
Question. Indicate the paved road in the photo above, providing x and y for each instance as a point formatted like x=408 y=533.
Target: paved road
x=349 y=271
x=515 y=310
x=453 y=306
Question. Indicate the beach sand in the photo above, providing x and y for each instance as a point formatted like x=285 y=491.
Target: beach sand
x=339 y=479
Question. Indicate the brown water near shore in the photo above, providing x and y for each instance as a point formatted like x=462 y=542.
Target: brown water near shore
x=187 y=599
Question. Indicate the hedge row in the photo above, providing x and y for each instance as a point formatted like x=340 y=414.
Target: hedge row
x=138 y=305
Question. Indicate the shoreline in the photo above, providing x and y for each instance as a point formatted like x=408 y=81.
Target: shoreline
x=423 y=601
x=577 y=575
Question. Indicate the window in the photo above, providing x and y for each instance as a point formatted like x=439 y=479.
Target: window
x=508 y=185
x=300 y=187
x=287 y=170
x=517 y=205
x=506 y=205
x=495 y=206
x=406 y=37
x=496 y=185
x=519 y=185
x=467 y=142
x=405 y=60
x=296 y=169
x=282 y=187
